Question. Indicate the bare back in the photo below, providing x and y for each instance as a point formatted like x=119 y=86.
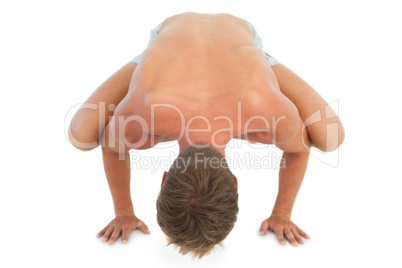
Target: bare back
x=204 y=65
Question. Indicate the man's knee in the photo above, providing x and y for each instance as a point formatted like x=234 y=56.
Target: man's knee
x=80 y=137
x=334 y=138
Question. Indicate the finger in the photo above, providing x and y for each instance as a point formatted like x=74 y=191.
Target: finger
x=107 y=234
x=142 y=226
x=290 y=237
x=300 y=231
x=264 y=227
x=102 y=232
x=279 y=235
x=115 y=235
x=297 y=236
x=126 y=233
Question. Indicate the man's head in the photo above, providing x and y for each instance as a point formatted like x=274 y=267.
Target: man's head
x=197 y=205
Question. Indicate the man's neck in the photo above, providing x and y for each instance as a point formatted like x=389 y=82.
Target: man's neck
x=184 y=143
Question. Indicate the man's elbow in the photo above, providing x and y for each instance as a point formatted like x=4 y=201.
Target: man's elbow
x=287 y=126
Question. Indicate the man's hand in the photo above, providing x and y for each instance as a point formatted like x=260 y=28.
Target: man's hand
x=123 y=224
x=283 y=227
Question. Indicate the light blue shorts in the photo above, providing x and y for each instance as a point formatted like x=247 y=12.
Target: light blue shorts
x=257 y=41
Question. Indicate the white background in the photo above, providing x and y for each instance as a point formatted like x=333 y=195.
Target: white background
x=54 y=198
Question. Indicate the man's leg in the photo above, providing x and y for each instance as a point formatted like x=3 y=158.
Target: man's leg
x=309 y=102
x=88 y=123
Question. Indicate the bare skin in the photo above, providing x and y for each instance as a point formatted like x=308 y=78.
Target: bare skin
x=205 y=66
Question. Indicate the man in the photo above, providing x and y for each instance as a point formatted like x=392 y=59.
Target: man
x=203 y=80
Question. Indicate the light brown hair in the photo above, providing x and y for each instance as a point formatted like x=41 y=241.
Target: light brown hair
x=198 y=203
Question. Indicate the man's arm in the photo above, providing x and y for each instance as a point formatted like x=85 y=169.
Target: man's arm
x=117 y=169
x=116 y=161
x=295 y=157
x=293 y=167
x=291 y=176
